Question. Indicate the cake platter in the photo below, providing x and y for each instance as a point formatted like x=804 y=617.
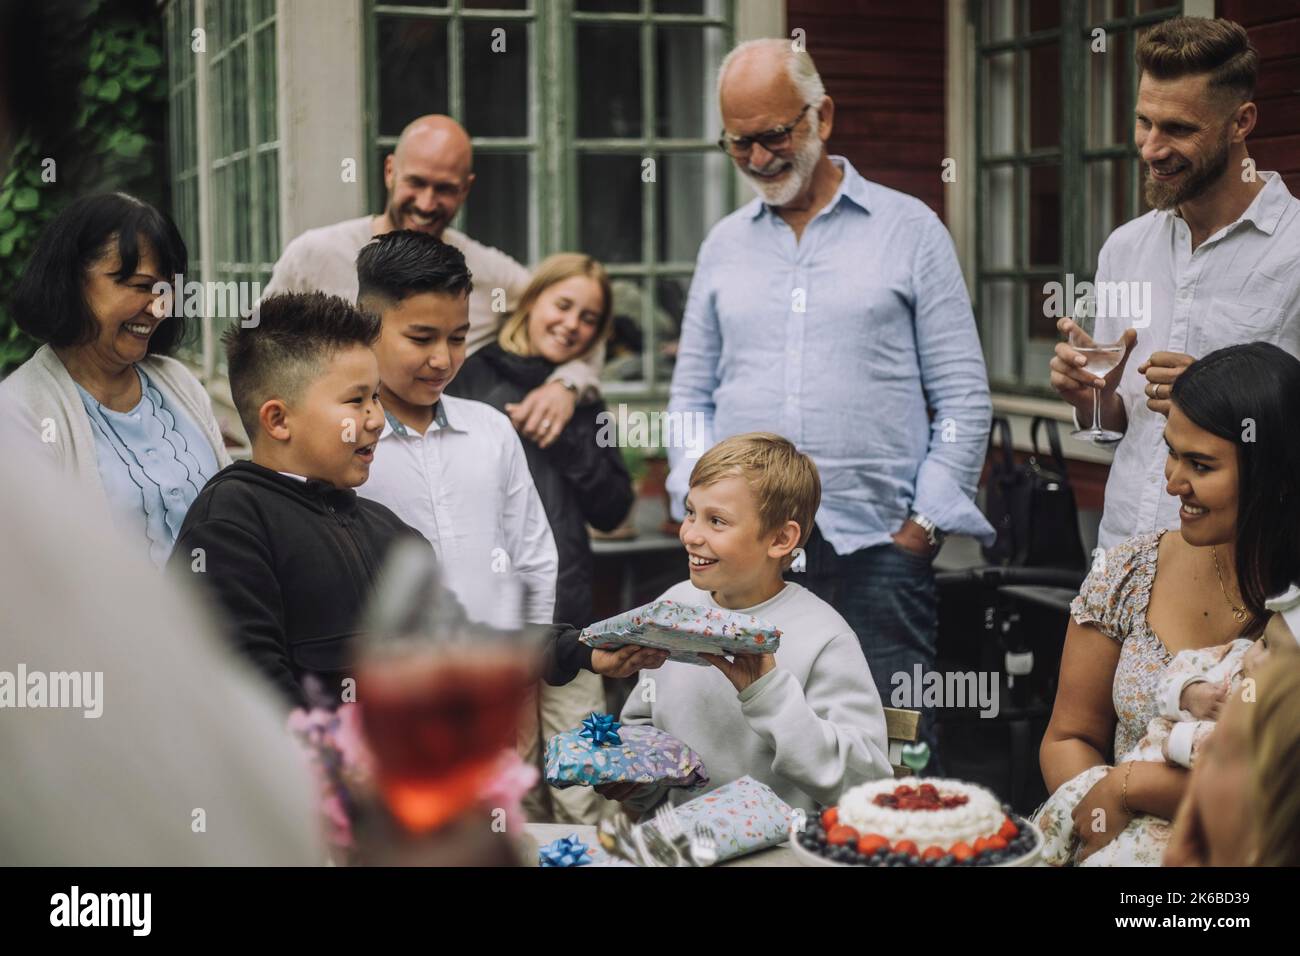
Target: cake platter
x=812 y=858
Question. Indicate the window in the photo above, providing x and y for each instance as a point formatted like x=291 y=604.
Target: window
x=476 y=60
x=1057 y=170
x=244 y=141
x=183 y=144
x=224 y=148
x=593 y=130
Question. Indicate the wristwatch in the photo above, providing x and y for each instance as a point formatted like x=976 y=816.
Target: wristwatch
x=570 y=385
x=932 y=532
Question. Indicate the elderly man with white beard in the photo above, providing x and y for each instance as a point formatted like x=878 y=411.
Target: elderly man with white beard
x=832 y=311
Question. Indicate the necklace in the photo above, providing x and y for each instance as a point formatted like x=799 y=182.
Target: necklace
x=1240 y=613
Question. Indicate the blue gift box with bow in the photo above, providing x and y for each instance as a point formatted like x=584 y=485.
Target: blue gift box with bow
x=602 y=751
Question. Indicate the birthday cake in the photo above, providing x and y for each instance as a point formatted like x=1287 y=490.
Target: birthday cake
x=913 y=822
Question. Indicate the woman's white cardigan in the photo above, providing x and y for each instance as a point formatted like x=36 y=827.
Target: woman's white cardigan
x=46 y=399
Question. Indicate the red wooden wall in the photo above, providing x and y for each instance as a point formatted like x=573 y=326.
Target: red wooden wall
x=1274 y=28
x=883 y=64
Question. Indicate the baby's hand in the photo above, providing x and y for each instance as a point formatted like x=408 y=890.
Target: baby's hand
x=1255 y=657
x=1203 y=700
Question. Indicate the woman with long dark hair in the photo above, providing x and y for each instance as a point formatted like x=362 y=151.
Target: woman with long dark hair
x=1234 y=461
x=133 y=426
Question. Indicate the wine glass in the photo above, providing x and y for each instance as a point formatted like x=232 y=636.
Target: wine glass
x=1101 y=358
x=440 y=696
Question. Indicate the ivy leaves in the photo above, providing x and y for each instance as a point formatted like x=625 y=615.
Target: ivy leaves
x=108 y=145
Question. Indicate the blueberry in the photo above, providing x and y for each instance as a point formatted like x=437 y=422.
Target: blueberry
x=896 y=863
x=946 y=860
x=997 y=856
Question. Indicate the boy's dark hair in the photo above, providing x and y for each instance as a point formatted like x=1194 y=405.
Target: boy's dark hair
x=49 y=301
x=297 y=333
x=1255 y=383
x=404 y=263
x=1185 y=46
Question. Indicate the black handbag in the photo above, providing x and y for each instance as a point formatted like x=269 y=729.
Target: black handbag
x=1031 y=506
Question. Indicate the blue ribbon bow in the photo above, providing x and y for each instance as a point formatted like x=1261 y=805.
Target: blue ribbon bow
x=566 y=851
x=601 y=729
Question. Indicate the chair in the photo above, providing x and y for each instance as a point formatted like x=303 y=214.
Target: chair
x=1010 y=621
x=902 y=727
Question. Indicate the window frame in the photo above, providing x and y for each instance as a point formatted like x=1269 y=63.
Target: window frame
x=534 y=144
x=553 y=143
x=201 y=236
x=1030 y=357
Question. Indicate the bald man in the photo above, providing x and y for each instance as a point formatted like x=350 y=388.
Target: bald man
x=428 y=177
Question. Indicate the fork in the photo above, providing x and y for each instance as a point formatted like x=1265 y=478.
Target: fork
x=614 y=834
x=659 y=849
x=704 y=848
x=671 y=829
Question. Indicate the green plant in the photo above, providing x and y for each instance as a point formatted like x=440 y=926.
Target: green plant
x=112 y=142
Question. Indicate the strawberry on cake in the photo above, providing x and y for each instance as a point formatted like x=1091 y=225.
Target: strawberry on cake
x=911 y=822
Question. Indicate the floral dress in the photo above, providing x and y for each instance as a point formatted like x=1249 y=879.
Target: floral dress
x=1114 y=599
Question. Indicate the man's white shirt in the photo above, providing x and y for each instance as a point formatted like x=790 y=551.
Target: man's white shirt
x=465 y=485
x=1242 y=284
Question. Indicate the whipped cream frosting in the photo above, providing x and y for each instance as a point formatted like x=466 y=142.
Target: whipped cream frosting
x=981 y=815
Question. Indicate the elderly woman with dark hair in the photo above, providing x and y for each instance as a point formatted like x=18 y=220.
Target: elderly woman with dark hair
x=133 y=426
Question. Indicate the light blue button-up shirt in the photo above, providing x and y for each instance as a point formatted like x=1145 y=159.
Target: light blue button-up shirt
x=845 y=342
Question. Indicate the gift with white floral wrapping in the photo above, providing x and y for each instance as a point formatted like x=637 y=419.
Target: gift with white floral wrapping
x=603 y=751
x=685 y=631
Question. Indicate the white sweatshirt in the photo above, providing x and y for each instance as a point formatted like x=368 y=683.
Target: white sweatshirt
x=808 y=729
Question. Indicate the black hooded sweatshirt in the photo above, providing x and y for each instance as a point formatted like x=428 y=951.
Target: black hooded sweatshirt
x=291 y=565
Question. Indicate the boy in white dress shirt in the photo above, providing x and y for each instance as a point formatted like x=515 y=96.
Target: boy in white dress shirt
x=455 y=470
x=450 y=467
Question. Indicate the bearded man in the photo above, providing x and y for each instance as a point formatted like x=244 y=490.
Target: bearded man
x=832 y=311
x=1217 y=251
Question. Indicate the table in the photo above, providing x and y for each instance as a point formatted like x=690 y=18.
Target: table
x=545 y=833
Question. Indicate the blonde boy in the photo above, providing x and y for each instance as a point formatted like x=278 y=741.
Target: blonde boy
x=807 y=720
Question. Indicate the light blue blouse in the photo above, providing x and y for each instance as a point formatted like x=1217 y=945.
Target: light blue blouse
x=153 y=462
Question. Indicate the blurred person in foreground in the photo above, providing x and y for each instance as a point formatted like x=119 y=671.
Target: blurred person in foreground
x=187 y=762
x=1242 y=806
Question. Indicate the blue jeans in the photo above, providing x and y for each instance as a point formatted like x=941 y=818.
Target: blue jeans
x=887 y=595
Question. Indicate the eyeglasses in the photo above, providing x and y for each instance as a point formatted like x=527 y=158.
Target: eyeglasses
x=773 y=140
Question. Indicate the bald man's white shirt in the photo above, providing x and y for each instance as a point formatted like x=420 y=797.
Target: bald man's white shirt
x=183 y=727
x=325 y=260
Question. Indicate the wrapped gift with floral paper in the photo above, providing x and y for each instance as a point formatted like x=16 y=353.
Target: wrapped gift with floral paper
x=685 y=631
x=603 y=751
x=744 y=815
